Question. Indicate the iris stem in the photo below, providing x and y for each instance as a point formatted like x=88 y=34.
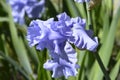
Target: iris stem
x=101 y=66
x=90 y=26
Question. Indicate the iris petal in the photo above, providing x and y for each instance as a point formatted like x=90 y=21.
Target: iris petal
x=33 y=8
x=83 y=40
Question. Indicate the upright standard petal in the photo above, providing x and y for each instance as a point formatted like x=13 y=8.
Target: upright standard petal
x=37 y=33
x=45 y=34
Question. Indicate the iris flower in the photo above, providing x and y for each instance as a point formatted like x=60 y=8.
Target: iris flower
x=32 y=8
x=57 y=37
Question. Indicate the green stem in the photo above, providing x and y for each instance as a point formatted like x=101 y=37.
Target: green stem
x=101 y=66
x=90 y=26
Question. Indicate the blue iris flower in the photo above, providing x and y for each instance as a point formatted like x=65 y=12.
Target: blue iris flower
x=32 y=8
x=57 y=37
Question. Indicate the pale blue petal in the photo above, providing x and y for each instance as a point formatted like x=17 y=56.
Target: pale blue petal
x=83 y=40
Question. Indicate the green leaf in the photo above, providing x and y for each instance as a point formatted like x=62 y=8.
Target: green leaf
x=105 y=27
x=106 y=49
x=3 y=19
x=18 y=44
x=82 y=58
x=15 y=64
x=81 y=9
x=115 y=70
x=71 y=7
x=32 y=53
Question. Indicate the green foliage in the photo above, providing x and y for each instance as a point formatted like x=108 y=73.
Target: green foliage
x=20 y=62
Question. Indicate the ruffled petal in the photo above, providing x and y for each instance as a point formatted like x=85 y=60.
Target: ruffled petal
x=35 y=9
x=37 y=33
x=61 y=68
x=49 y=64
x=63 y=16
x=71 y=53
x=83 y=40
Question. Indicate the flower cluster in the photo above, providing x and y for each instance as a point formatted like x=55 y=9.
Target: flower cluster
x=57 y=37
x=32 y=8
x=81 y=1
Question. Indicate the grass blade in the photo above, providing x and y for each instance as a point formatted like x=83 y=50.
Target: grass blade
x=17 y=67
x=18 y=44
x=106 y=49
x=115 y=70
x=71 y=7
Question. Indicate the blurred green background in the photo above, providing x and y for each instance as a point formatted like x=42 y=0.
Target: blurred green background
x=20 y=62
